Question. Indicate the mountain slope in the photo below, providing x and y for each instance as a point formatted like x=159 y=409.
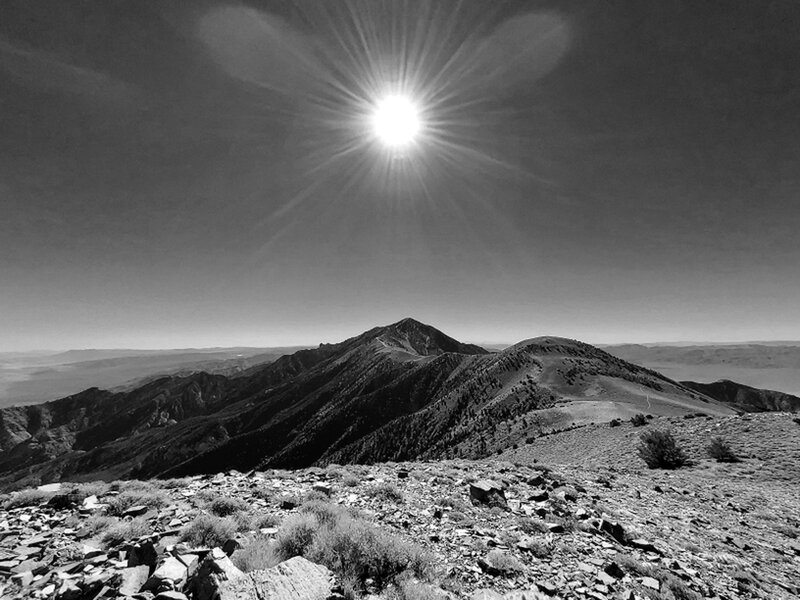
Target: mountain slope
x=746 y=398
x=401 y=391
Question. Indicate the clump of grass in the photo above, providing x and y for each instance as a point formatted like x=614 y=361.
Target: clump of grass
x=721 y=451
x=541 y=549
x=209 y=531
x=225 y=506
x=678 y=589
x=350 y=480
x=97 y=524
x=351 y=547
x=90 y=488
x=454 y=503
x=174 y=484
x=638 y=420
x=264 y=493
x=152 y=498
x=632 y=565
x=659 y=450
x=388 y=492
x=326 y=512
x=124 y=531
x=266 y=520
x=459 y=518
x=296 y=535
x=530 y=525
x=256 y=556
x=504 y=562
x=25 y=498
x=614 y=423
x=355 y=548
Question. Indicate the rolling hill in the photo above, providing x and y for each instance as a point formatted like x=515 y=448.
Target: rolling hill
x=398 y=392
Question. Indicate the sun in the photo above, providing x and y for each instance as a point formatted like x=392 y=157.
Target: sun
x=396 y=121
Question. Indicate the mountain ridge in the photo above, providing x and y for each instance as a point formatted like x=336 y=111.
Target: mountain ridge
x=398 y=391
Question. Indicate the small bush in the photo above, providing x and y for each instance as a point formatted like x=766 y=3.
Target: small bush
x=174 y=484
x=27 y=498
x=350 y=481
x=266 y=520
x=679 y=590
x=529 y=525
x=326 y=512
x=659 y=450
x=264 y=493
x=225 y=506
x=541 y=549
x=296 y=535
x=125 y=531
x=720 y=450
x=96 y=524
x=256 y=556
x=244 y=521
x=153 y=498
x=209 y=531
x=354 y=548
x=90 y=488
x=387 y=492
x=615 y=423
x=638 y=420
x=506 y=563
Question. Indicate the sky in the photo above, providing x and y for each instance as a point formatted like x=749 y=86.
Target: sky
x=204 y=174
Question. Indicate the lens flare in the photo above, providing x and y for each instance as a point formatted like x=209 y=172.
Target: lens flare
x=396 y=121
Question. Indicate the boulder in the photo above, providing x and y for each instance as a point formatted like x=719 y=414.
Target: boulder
x=135 y=511
x=615 y=530
x=133 y=579
x=215 y=569
x=487 y=491
x=143 y=553
x=170 y=574
x=294 y=579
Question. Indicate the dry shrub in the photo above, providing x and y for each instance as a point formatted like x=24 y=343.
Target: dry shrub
x=225 y=506
x=152 y=498
x=721 y=451
x=387 y=492
x=125 y=531
x=209 y=531
x=659 y=450
x=258 y=555
x=354 y=549
x=27 y=498
x=295 y=535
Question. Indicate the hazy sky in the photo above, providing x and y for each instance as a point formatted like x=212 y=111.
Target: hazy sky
x=202 y=174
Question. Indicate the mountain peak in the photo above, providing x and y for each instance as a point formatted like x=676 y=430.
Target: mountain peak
x=412 y=336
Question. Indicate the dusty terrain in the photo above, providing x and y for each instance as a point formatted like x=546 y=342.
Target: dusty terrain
x=573 y=525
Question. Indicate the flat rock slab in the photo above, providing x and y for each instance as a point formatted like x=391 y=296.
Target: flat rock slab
x=294 y=579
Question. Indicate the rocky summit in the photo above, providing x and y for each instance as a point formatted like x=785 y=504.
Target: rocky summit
x=449 y=529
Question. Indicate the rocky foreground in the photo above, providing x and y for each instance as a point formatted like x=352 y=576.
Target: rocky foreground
x=416 y=531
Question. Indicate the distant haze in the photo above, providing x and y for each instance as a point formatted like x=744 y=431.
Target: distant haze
x=191 y=174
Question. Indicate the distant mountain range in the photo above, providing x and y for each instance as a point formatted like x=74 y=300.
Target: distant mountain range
x=746 y=398
x=35 y=377
x=767 y=365
x=398 y=392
